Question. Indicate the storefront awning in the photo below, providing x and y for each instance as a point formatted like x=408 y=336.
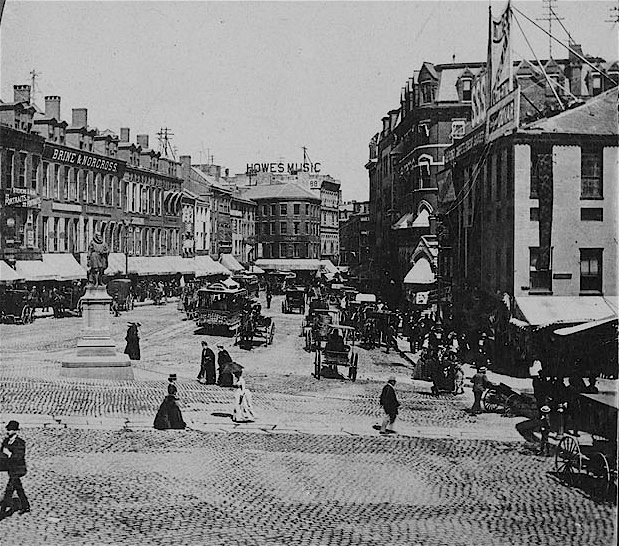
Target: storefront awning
x=181 y=265
x=587 y=326
x=35 y=270
x=116 y=264
x=231 y=263
x=66 y=266
x=542 y=311
x=209 y=266
x=420 y=273
x=8 y=274
x=328 y=267
x=282 y=264
x=254 y=269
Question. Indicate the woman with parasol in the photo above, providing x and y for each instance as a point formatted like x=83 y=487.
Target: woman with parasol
x=243 y=411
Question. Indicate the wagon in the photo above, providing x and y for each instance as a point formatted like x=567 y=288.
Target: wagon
x=329 y=356
x=503 y=399
x=598 y=460
x=220 y=307
x=15 y=306
x=294 y=300
x=121 y=290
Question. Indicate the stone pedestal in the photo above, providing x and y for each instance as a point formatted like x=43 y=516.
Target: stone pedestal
x=96 y=356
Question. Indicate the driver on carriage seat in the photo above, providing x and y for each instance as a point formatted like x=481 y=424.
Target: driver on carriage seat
x=335 y=342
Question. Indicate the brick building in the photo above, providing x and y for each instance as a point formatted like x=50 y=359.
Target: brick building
x=287 y=221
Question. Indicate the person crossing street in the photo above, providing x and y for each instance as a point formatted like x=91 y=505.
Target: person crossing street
x=13 y=453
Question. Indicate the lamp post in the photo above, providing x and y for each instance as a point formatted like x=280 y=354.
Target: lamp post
x=126 y=224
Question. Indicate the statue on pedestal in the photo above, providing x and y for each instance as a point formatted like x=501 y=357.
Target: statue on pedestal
x=97 y=260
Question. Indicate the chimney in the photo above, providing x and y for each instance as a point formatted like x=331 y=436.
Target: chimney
x=21 y=93
x=185 y=167
x=575 y=71
x=142 y=141
x=52 y=107
x=385 y=125
x=124 y=134
x=80 y=117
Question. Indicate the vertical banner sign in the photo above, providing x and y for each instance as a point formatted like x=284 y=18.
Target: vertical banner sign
x=478 y=100
x=501 y=58
x=503 y=104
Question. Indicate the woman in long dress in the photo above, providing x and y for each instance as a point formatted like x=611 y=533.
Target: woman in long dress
x=169 y=414
x=243 y=410
x=133 y=341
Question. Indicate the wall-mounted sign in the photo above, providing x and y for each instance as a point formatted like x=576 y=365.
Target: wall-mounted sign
x=503 y=117
x=279 y=167
x=22 y=197
x=86 y=160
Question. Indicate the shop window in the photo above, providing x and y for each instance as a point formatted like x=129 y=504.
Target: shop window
x=591 y=270
x=591 y=174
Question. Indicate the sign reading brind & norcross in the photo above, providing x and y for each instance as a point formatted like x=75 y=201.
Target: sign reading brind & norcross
x=87 y=160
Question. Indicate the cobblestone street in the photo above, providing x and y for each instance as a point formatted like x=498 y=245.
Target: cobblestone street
x=311 y=470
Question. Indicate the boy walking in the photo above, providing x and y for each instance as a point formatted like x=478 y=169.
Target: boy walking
x=14 y=452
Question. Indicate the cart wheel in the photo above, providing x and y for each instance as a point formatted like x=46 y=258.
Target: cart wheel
x=317 y=365
x=568 y=460
x=491 y=400
x=512 y=405
x=599 y=469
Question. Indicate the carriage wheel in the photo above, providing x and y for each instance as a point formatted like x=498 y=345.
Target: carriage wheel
x=491 y=400
x=512 y=405
x=599 y=469
x=568 y=460
x=24 y=314
x=354 y=367
x=317 y=365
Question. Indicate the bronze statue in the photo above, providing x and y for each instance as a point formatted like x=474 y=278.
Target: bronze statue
x=97 y=260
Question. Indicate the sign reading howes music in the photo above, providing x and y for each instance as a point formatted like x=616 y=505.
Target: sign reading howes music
x=86 y=160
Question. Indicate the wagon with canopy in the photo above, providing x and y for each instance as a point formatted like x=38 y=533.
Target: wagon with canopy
x=337 y=350
x=220 y=307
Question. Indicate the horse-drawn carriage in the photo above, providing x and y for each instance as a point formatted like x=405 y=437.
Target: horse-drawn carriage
x=249 y=283
x=294 y=300
x=220 y=307
x=15 y=306
x=598 y=459
x=254 y=325
x=120 y=290
x=315 y=325
x=503 y=399
x=337 y=350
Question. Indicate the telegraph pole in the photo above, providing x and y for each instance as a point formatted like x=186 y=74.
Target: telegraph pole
x=550 y=16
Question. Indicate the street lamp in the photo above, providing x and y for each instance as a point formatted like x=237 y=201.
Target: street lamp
x=127 y=224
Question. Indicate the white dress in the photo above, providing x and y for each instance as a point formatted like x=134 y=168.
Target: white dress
x=243 y=410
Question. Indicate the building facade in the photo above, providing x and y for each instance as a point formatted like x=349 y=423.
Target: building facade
x=76 y=181
x=287 y=221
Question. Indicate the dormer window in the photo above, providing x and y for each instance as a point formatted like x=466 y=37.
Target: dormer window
x=427 y=92
x=596 y=84
x=466 y=89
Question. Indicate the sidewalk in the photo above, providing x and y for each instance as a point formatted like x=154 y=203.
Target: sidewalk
x=39 y=313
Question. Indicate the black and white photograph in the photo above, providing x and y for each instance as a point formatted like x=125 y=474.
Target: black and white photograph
x=309 y=273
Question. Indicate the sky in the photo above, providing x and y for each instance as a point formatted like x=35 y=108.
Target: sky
x=252 y=82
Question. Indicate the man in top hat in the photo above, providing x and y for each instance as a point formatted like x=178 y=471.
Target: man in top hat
x=207 y=365
x=544 y=428
x=480 y=384
x=389 y=403
x=14 y=451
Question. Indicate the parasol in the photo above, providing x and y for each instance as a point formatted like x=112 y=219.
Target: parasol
x=232 y=367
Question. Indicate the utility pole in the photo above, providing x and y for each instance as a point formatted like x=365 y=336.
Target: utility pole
x=165 y=147
x=549 y=16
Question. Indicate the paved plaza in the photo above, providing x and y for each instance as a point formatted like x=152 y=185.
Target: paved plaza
x=310 y=471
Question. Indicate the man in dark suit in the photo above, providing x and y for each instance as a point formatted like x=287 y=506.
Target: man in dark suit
x=390 y=404
x=207 y=365
x=14 y=452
